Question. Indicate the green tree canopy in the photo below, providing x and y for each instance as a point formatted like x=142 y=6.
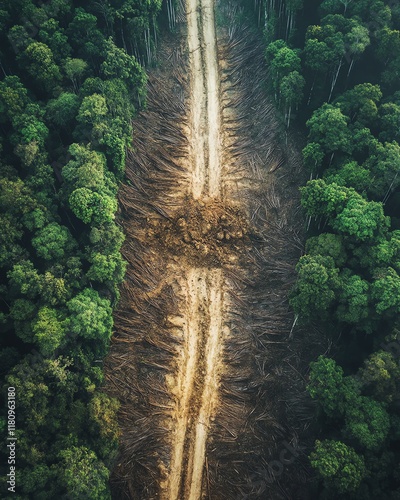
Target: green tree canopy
x=90 y=316
x=84 y=476
x=10 y=249
x=313 y=156
x=74 y=69
x=351 y=175
x=353 y=296
x=53 y=242
x=25 y=279
x=384 y=165
x=361 y=219
x=54 y=37
x=367 y=422
x=119 y=64
x=107 y=268
x=361 y=103
x=63 y=110
x=390 y=122
x=103 y=414
x=92 y=207
x=327 y=244
x=86 y=169
x=320 y=198
x=338 y=465
x=325 y=385
x=380 y=375
x=386 y=292
x=40 y=65
x=48 y=330
x=313 y=294
x=13 y=97
x=85 y=36
x=328 y=127
x=347 y=211
x=93 y=109
x=106 y=238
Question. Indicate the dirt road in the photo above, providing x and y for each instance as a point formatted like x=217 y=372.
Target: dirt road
x=205 y=102
x=197 y=381
x=198 y=376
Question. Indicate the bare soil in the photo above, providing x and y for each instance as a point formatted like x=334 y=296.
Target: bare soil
x=207 y=233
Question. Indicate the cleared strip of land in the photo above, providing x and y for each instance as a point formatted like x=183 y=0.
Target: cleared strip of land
x=197 y=380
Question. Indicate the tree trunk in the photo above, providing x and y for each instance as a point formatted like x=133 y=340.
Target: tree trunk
x=350 y=68
x=289 y=116
x=387 y=194
x=155 y=32
x=335 y=78
x=311 y=90
x=2 y=69
x=123 y=37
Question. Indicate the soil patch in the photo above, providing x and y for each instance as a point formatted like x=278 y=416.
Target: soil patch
x=205 y=232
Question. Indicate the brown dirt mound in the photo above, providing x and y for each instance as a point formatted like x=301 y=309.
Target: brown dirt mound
x=209 y=233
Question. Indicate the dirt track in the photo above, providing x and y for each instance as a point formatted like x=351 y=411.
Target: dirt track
x=196 y=387
x=205 y=102
x=197 y=382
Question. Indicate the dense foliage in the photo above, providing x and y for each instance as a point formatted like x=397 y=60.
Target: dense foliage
x=71 y=81
x=344 y=72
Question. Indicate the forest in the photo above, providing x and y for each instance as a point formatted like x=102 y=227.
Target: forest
x=335 y=65
x=73 y=78
x=70 y=86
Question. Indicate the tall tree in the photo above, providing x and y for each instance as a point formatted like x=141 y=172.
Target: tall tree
x=340 y=467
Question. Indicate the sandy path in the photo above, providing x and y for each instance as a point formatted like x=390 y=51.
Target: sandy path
x=197 y=382
x=198 y=101
x=213 y=99
x=205 y=104
x=196 y=296
x=210 y=382
x=196 y=385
